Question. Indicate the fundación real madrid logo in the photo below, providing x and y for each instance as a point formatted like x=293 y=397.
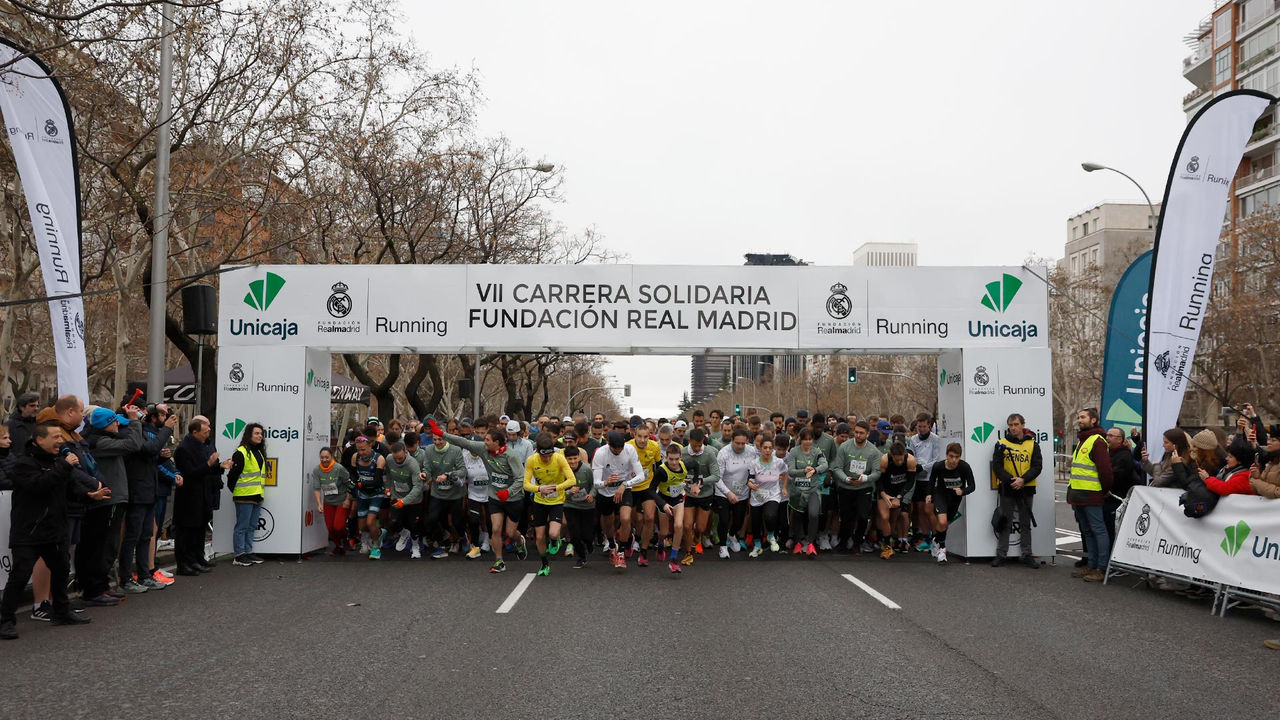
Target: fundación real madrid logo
x=339 y=304
x=1193 y=165
x=237 y=373
x=1162 y=363
x=80 y=326
x=839 y=305
x=50 y=128
x=981 y=378
x=1144 y=521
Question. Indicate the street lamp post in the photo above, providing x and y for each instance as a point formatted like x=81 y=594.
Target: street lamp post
x=1090 y=167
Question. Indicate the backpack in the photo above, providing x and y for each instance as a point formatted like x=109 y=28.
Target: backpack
x=1198 y=500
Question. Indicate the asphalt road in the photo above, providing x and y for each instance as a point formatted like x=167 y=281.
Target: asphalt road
x=777 y=637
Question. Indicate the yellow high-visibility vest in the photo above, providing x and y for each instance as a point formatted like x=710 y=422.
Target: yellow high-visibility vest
x=1084 y=473
x=250 y=482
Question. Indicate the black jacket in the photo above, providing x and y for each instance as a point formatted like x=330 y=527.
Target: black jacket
x=1124 y=474
x=21 y=429
x=42 y=488
x=140 y=467
x=110 y=450
x=192 y=505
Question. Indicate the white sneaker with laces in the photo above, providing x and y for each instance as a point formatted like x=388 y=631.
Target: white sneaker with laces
x=933 y=550
x=454 y=548
x=734 y=545
x=484 y=546
x=403 y=541
x=706 y=543
x=773 y=544
x=823 y=543
x=416 y=553
x=365 y=545
x=724 y=552
x=942 y=556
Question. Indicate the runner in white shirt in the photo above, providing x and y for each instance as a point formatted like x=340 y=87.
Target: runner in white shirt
x=768 y=483
x=477 y=504
x=616 y=468
x=928 y=448
x=736 y=461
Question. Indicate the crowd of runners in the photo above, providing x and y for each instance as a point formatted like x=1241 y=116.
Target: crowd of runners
x=636 y=490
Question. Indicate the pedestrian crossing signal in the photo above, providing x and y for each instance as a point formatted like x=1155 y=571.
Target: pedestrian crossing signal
x=737 y=410
x=853 y=375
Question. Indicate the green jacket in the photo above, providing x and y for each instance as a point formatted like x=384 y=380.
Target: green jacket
x=506 y=471
x=703 y=465
x=403 y=480
x=799 y=486
x=446 y=462
x=585 y=480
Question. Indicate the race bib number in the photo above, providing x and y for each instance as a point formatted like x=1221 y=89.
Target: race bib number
x=501 y=481
x=676 y=490
x=445 y=484
x=803 y=483
x=402 y=488
x=330 y=489
x=953 y=482
x=857 y=467
x=480 y=482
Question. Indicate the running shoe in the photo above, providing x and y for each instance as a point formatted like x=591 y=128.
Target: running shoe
x=522 y=551
x=1273 y=644
x=103 y=600
x=942 y=556
x=734 y=545
x=403 y=540
x=706 y=543
x=886 y=552
x=484 y=546
x=756 y=551
x=473 y=553
x=242 y=561
x=382 y=539
x=643 y=559
x=443 y=552
x=580 y=563
x=1030 y=562
x=545 y=570
x=697 y=548
x=773 y=544
x=798 y=549
x=415 y=550
x=165 y=573
x=811 y=551
x=498 y=566
x=365 y=545
x=553 y=547
x=724 y=552
x=687 y=560
x=868 y=548
x=151 y=584
x=43 y=611
x=997 y=561
x=161 y=578
x=635 y=545
x=631 y=549
x=568 y=549
x=923 y=545
x=453 y=548
x=933 y=550
x=255 y=559
x=673 y=566
x=375 y=553
x=618 y=560
x=823 y=543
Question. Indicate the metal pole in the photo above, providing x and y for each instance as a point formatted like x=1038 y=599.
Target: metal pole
x=475 y=390
x=846 y=396
x=160 y=220
x=199 y=374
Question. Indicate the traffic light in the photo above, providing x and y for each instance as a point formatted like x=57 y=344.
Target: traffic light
x=853 y=375
x=626 y=391
x=1057 y=438
x=737 y=409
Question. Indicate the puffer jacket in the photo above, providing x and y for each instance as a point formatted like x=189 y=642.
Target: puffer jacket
x=1267 y=484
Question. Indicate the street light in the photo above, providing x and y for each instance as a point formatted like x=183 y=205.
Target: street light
x=1090 y=167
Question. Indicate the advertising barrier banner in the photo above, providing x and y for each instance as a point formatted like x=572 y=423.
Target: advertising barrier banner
x=1238 y=544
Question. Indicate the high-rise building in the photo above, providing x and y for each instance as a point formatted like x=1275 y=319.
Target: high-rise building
x=885 y=254
x=1237 y=46
x=1104 y=239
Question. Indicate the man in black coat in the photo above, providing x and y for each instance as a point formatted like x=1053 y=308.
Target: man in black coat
x=42 y=486
x=1124 y=474
x=22 y=422
x=140 y=467
x=201 y=472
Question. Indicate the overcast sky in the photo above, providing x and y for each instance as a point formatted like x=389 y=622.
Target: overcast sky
x=691 y=133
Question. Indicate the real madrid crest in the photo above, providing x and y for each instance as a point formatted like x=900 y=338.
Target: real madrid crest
x=339 y=304
x=839 y=305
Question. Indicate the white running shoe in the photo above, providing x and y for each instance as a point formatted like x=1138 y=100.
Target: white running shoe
x=942 y=556
x=755 y=551
x=724 y=553
x=823 y=542
x=365 y=545
x=635 y=546
x=849 y=544
x=734 y=545
x=417 y=552
x=706 y=543
x=403 y=541
x=454 y=548
x=933 y=550
x=568 y=550
x=773 y=544
x=484 y=546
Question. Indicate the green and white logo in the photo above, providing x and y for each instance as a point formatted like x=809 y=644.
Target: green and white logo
x=1235 y=538
x=311 y=375
x=263 y=292
x=942 y=377
x=233 y=429
x=982 y=432
x=1001 y=293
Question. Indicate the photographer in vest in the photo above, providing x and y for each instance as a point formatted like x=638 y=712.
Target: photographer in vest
x=1015 y=465
x=248 y=464
x=1087 y=492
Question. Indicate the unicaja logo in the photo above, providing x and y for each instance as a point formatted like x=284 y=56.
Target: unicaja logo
x=982 y=432
x=263 y=292
x=942 y=377
x=233 y=429
x=1001 y=293
x=1235 y=537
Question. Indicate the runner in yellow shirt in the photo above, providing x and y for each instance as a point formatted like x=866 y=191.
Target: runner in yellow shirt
x=546 y=477
x=643 y=498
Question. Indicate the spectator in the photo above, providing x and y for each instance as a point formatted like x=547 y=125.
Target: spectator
x=1206 y=451
x=244 y=478
x=139 y=522
x=43 y=484
x=201 y=472
x=167 y=478
x=1233 y=478
x=23 y=421
x=1266 y=480
x=111 y=438
x=1165 y=474
x=7 y=457
x=1124 y=475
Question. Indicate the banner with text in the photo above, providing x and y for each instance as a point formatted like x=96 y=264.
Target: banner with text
x=1238 y=544
x=630 y=308
x=1122 y=360
x=40 y=132
x=1186 y=243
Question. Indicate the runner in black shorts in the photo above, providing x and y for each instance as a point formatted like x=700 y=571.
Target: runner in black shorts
x=897 y=483
x=546 y=477
x=949 y=481
x=671 y=477
x=616 y=468
x=699 y=498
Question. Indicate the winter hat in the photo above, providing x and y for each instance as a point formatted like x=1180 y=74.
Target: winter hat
x=102 y=417
x=1243 y=454
x=1205 y=440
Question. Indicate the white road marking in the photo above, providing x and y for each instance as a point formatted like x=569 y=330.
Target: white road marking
x=1073 y=557
x=1059 y=542
x=873 y=592
x=511 y=600
x=1064 y=531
